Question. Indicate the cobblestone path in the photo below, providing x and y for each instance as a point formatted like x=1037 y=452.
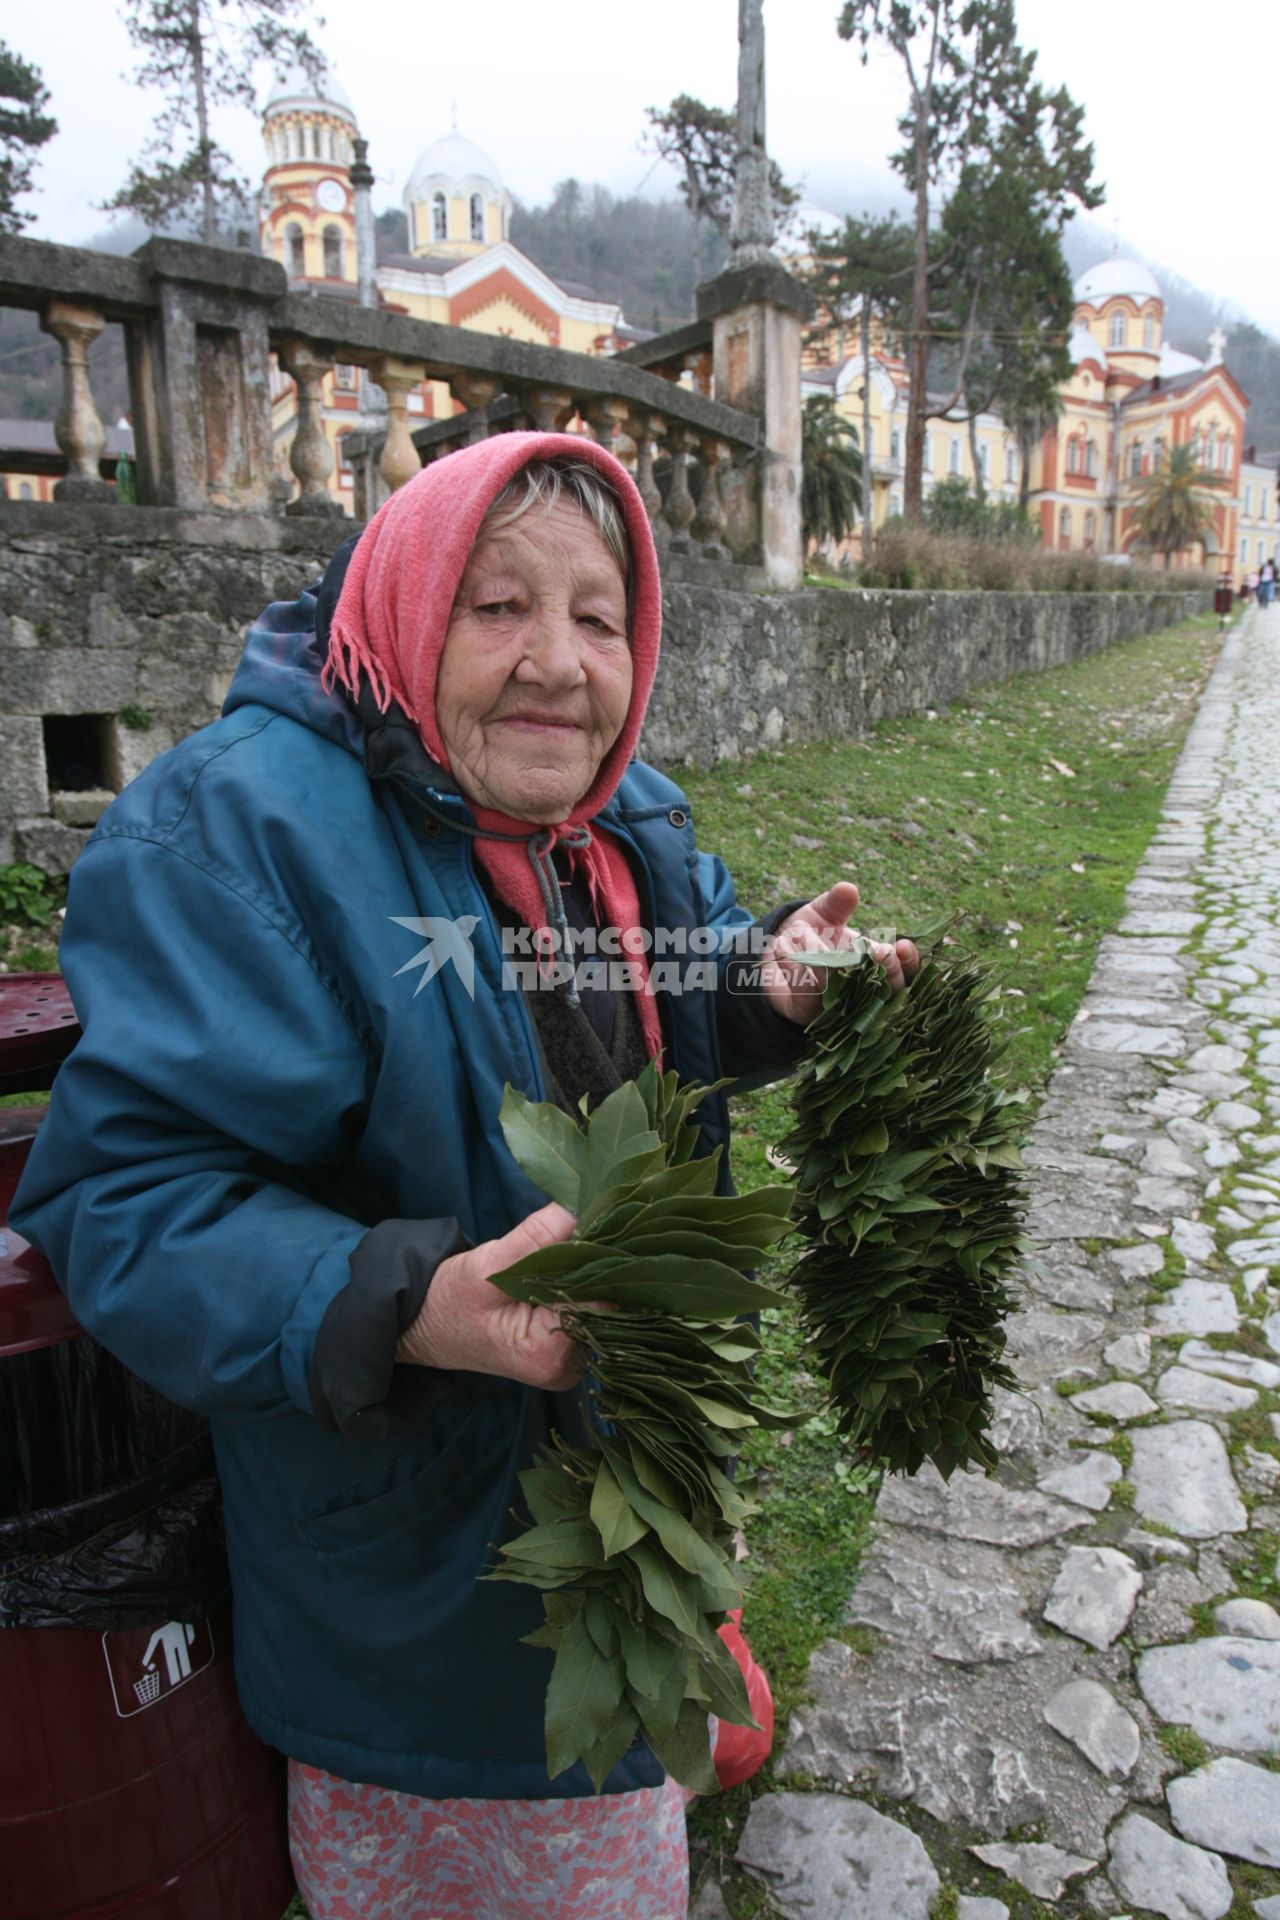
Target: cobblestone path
x=1073 y=1666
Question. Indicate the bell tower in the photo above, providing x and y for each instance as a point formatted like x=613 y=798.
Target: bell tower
x=307 y=218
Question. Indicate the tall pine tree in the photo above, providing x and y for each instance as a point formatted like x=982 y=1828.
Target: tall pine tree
x=24 y=127
x=201 y=54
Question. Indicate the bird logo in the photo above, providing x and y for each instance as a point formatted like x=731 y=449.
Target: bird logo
x=447 y=941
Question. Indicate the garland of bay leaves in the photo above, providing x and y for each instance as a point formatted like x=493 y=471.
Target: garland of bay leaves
x=633 y=1537
x=908 y=1201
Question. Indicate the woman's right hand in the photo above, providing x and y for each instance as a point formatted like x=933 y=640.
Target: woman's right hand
x=466 y=1324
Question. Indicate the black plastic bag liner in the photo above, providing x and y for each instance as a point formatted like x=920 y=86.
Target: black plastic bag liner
x=110 y=1513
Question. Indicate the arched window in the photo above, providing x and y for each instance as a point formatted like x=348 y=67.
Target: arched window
x=332 y=252
x=1064 y=526
x=1091 y=457
x=1211 y=447
x=1227 y=451
x=1135 y=460
x=895 y=445
x=477 y=217
x=1119 y=329
x=953 y=460
x=1073 y=455
x=1149 y=334
x=313 y=143
x=1090 y=524
x=295 y=251
x=439 y=217
x=24 y=491
x=291 y=143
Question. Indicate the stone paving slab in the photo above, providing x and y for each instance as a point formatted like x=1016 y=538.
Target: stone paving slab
x=1033 y=1633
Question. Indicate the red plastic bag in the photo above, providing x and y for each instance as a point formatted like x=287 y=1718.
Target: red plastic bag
x=739 y=1752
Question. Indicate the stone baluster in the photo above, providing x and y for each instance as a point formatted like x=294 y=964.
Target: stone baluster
x=310 y=456
x=679 y=510
x=644 y=428
x=477 y=391
x=604 y=416
x=77 y=429
x=398 y=378
x=550 y=408
x=708 y=529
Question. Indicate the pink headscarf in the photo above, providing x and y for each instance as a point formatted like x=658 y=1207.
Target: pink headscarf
x=390 y=625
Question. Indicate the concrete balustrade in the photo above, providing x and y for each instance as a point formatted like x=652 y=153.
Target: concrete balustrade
x=201 y=325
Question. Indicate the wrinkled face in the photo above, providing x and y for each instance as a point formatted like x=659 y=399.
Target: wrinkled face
x=534 y=681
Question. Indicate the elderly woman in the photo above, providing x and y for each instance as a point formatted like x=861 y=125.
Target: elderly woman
x=273 y=1182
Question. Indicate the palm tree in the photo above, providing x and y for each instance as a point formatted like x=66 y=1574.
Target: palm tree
x=1172 y=511
x=831 y=486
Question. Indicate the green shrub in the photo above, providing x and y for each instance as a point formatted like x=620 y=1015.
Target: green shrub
x=27 y=896
x=137 y=719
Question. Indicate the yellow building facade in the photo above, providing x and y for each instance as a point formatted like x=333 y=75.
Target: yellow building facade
x=1129 y=399
x=461 y=268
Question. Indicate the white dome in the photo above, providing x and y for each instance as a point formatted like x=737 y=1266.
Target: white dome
x=452 y=162
x=294 y=89
x=1111 y=277
x=1173 y=362
x=1082 y=346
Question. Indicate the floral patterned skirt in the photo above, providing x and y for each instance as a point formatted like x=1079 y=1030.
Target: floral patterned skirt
x=367 y=1853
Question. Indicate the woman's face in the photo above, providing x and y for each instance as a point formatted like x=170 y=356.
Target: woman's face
x=534 y=682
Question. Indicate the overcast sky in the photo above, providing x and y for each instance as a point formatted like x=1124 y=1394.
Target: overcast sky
x=1181 y=114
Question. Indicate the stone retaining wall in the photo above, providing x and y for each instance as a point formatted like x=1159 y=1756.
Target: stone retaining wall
x=742 y=671
x=110 y=619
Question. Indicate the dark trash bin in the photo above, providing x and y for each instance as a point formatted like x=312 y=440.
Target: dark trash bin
x=130 y=1782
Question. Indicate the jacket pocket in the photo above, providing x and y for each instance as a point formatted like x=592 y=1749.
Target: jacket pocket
x=410 y=1487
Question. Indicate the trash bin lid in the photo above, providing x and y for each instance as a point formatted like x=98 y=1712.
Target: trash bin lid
x=33 y=1308
x=38 y=1025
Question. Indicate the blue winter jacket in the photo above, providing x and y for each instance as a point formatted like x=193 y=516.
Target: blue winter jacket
x=259 y=1148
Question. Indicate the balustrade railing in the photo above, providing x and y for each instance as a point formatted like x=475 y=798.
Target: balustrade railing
x=201 y=325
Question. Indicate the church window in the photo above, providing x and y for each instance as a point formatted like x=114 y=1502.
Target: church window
x=1226 y=453
x=1091 y=457
x=1211 y=449
x=296 y=254
x=439 y=218
x=312 y=143
x=1149 y=334
x=953 y=460
x=333 y=252
x=1064 y=526
x=895 y=445
x=477 y=217
x=1073 y=456
x=1119 y=329
x=291 y=143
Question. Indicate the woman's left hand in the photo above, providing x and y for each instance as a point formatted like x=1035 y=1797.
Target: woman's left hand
x=792 y=985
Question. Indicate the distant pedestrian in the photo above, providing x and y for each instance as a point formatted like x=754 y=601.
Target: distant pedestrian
x=1266 y=583
x=1250 y=587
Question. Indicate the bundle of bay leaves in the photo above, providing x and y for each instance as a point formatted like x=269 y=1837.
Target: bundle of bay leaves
x=632 y=1541
x=909 y=1205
